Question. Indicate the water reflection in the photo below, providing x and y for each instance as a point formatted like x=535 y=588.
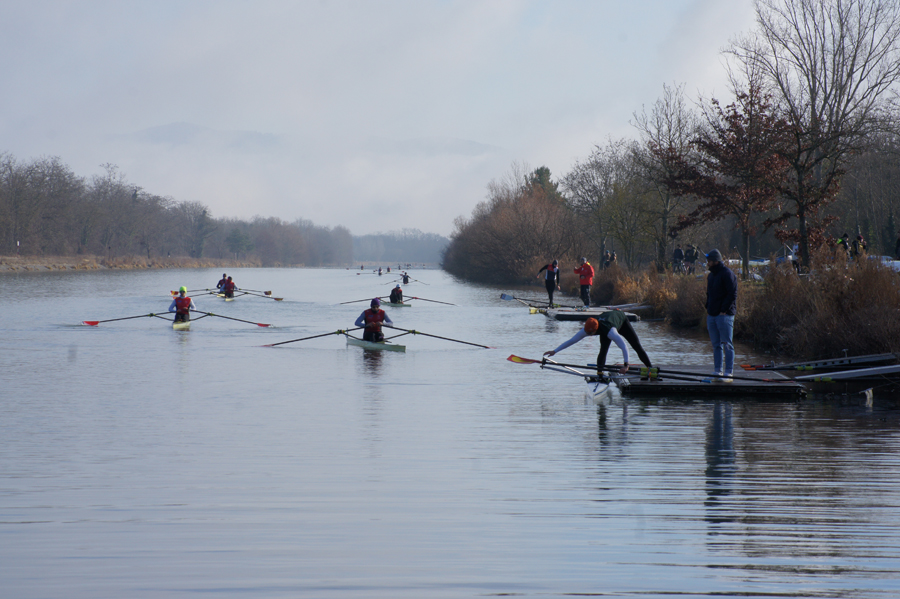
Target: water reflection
x=720 y=461
x=373 y=362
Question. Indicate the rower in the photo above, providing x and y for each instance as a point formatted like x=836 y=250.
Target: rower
x=222 y=281
x=182 y=305
x=396 y=295
x=405 y=278
x=228 y=288
x=611 y=326
x=372 y=319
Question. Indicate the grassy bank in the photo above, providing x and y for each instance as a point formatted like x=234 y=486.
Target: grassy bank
x=846 y=306
x=58 y=263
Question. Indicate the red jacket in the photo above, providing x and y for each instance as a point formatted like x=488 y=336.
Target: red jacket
x=585 y=274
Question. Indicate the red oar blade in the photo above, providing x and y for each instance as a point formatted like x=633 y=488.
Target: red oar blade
x=520 y=360
x=260 y=324
x=91 y=323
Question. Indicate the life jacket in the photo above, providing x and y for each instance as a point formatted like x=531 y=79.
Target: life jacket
x=396 y=296
x=373 y=319
x=228 y=286
x=182 y=305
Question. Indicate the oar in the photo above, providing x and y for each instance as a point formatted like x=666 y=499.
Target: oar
x=368 y=299
x=269 y=296
x=435 y=336
x=428 y=300
x=259 y=324
x=255 y=291
x=510 y=298
x=94 y=323
x=338 y=332
x=196 y=291
x=521 y=360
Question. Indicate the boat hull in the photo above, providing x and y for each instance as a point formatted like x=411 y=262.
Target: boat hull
x=599 y=392
x=393 y=305
x=182 y=326
x=375 y=346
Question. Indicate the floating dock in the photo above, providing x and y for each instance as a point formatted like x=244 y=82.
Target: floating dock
x=696 y=380
x=575 y=314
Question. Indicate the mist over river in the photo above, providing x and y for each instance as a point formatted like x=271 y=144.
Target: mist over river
x=141 y=462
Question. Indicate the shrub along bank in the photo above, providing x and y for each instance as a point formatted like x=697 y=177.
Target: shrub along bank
x=851 y=306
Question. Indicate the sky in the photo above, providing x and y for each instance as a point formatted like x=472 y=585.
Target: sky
x=376 y=115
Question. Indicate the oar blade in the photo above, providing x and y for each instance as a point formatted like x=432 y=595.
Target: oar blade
x=261 y=324
x=91 y=323
x=521 y=360
x=503 y=296
x=278 y=299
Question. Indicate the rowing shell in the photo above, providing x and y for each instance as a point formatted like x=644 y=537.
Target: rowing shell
x=374 y=345
x=598 y=391
x=182 y=326
x=394 y=305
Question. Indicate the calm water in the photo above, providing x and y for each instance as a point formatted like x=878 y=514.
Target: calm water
x=136 y=461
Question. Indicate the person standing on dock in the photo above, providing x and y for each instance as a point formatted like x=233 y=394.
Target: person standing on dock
x=551 y=279
x=182 y=305
x=613 y=327
x=372 y=319
x=585 y=274
x=396 y=295
x=721 y=306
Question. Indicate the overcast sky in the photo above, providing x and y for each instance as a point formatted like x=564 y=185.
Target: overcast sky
x=376 y=115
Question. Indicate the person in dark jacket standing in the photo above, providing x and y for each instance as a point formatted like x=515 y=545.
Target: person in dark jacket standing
x=721 y=305
x=551 y=279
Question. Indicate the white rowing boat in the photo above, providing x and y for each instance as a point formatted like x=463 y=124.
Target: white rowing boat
x=598 y=391
x=375 y=345
x=859 y=373
x=182 y=326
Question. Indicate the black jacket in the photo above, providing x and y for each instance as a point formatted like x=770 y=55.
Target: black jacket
x=721 y=291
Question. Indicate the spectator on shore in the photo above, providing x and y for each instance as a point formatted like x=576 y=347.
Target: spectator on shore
x=721 y=306
x=859 y=246
x=585 y=274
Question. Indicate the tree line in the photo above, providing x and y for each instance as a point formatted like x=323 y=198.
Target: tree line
x=806 y=148
x=46 y=209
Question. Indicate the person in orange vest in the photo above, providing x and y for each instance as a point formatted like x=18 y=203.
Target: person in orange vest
x=585 y=274
x=182 y=305
x=551 y=279
x=372 y=319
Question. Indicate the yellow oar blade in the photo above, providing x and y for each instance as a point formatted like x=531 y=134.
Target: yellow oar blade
x=520 y=360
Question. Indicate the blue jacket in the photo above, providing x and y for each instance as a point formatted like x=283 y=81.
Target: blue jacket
x=721 y=291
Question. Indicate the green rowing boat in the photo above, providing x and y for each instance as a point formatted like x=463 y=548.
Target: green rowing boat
x=375 y=346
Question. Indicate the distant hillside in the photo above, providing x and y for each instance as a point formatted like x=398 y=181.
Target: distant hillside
x=408 y=245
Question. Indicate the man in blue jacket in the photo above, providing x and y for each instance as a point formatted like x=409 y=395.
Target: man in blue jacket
x=721 y=305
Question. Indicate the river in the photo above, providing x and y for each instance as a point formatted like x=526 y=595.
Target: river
x=137 y=461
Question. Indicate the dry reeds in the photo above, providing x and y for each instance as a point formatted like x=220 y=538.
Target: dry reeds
x=839 y=306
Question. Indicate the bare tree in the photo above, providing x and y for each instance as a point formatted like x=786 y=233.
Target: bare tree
x=666 y=131
x=831 y=64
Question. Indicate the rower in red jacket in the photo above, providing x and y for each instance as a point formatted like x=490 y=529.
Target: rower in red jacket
x=228 y=288
x=182 y=305
x=372 y=319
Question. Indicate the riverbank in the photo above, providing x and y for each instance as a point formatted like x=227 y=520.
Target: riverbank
x=12 y=264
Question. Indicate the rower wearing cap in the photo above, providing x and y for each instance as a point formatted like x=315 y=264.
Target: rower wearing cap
x=182 y=305
x=372 y=319
x=397 y=295
x=611 y=326
x=228 y=288
x=222 y=281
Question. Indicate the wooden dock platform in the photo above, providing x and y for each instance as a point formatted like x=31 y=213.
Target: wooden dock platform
x=747 y=384
x=575 y=314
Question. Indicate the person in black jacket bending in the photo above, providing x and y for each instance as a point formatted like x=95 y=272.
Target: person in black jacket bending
x=721 y=305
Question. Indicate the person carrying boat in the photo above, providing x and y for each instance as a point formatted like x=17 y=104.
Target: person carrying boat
x=228 y=288
x=372 y=319
x=613 y=327
x=182 y=305
x=551 y=279
x=721 y=306
x=221 y=282
x=396 y=295
x=585 y=274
